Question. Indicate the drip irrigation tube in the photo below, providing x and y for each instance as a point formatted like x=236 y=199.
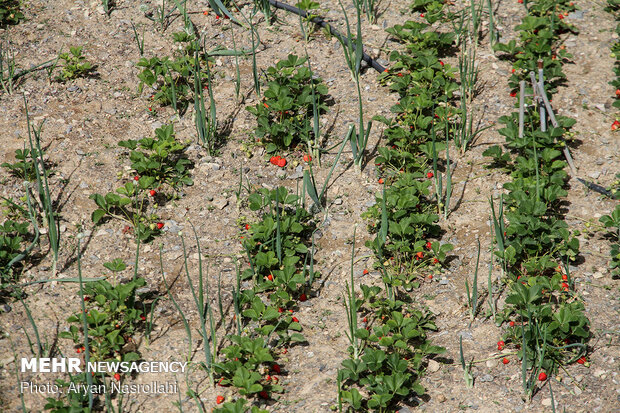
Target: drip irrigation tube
x=320 y=22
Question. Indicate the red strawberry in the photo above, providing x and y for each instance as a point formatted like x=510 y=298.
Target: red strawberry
x=513 y=70
x=435 y=260
x=273 y=160
x=429 y=245
x=441 y=63
x=219 y=399
x=542 y=376
x=430 y=276
x=143 y=318
x=505 y=360
x=564 y=277
x=429 y=175
x=307 y=158
x=500 y=345
x=511 y=324
x=247 y=227
x=78 y=350
x=561 y=16
x=513 y=93
x=618 y=93
x=276 y=368
x=152 y=192
x=419 y=255
x=117 y=377
x=136 y=178
x=381 y=180
x=160 y=225
x=295 y=319
x=303 y=297
x=520 y=1
x=270 y=277
x=264 y=394
x=365 y=271
x=280 y=310
x=281 y=162
x=615 y=125
x=400 y=75
x=422 y=15
x=582 y=360
x=565 y=286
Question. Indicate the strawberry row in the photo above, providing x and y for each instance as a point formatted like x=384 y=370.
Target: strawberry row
x=281 y=269
x=387 y=332
x=547 y=323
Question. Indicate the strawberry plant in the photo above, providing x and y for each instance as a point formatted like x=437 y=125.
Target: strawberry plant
x=238 y=406
x=74 y=65
x=157 y=163
x=14 y=235
x=172 y=78
x=162 y=158
x=612 y=221
x=539 y=35
x=10 y=12
x=130 y=203
x=23 y=167
x=113 y=317
x=285 y=115
x=403 y=238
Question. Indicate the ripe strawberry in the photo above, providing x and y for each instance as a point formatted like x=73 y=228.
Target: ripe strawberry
x=273 y=161
x=582 y=360
x=307 y=158
x=276 y=368
x=564 y=277
x=441 y=63
x=78 y=350
x=365 y=272
x=430 y=276
x=505 y=360
x=280 y=310
x=282 y=162
x=303 y=297
x=615 y=125
x=429 y=175
x=386 y=70
x=143 y=317
x=511 y=324
x=419 y=255
x=270 y=277
x=422 y=15
x=500 y=345
x=381 y=180
x=513 y=93
x=152 y=192
x=264 y=394
x=117 y=377
x=219 y=399
x=435 y=260
x=365 y=320
x=429 y=245
x=565 y=286
x=520 y=1
x=136 y=178
x=295 y=319
x=561 y=16
x=513 y=70
x=618 y=93
x=160 y=225
x=247 y=227
x=542 y=376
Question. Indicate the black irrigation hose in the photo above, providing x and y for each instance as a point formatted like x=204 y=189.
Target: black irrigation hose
x=320 y=22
